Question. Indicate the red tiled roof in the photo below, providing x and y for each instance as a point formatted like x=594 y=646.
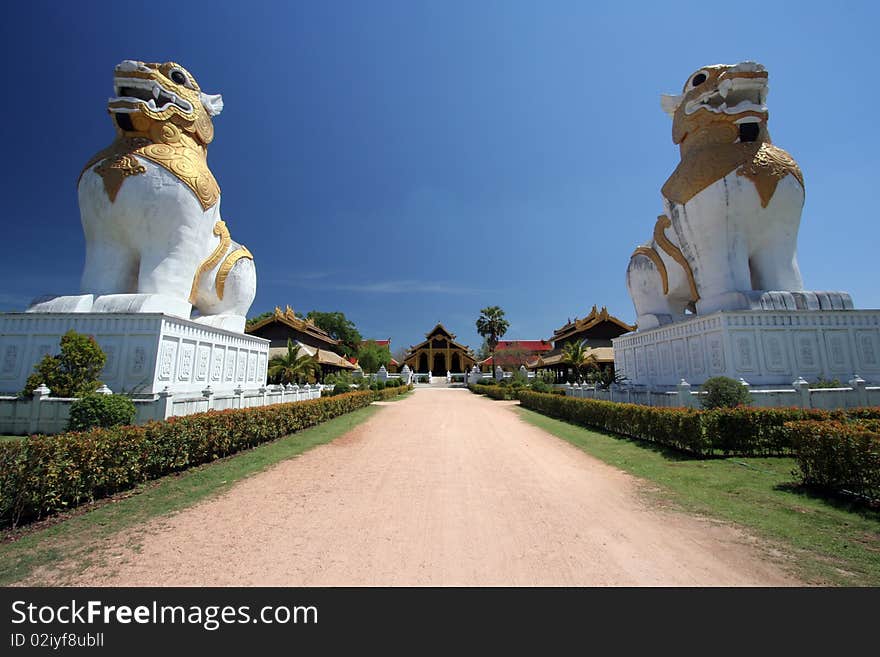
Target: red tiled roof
x=525 y=345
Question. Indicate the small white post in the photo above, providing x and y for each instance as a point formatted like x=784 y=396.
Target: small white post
x=208 y=394
x=104 y=390
x=859 y=387
x=801 y=386
x=382 y=374
x=239 y=392
x=39 y=394
x=685 y=396
x=166 y=405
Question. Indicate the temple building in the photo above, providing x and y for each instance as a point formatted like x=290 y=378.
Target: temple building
x=439 y=353
x=284 y=325
x=595 y=331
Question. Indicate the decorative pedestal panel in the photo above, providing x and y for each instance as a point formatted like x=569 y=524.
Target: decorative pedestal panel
x=763 y=347
x=146 y=352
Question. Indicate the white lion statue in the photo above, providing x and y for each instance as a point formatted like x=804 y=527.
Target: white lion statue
x=733 y=205
x=150 y=209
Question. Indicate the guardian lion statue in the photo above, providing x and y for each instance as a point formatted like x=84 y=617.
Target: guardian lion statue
x=728 y=237
x=150 y=209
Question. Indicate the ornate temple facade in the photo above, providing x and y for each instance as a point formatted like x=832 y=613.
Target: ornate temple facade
x=439 y=353
x=314 y=341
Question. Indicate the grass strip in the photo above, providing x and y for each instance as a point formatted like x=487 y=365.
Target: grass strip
x=823 y=540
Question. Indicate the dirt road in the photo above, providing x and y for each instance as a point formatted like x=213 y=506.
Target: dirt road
x=442 y=488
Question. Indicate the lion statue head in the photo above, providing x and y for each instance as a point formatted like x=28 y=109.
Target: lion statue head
x=719 y=105
x=150 y=96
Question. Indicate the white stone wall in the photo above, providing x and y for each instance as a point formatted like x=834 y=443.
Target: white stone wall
x=798 y=396
x=146 y=352
x=763 y=347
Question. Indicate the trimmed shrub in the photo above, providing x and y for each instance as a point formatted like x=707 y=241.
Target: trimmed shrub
x=94 y=410
x=46 y=474
x=838 y=456
x=541 y=386
x=499 y=392
x=742 y=431
x=72 y=373
x=724 y=392
x=676 y=427
x=340 y=389
x=391 y=393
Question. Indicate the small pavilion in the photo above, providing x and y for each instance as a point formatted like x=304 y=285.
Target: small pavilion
x=440 y=353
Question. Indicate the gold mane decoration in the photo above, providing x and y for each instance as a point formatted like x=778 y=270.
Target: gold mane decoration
x=175 y=136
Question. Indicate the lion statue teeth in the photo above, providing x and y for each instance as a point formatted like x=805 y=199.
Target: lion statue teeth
x=150 y=209
x=728 y=235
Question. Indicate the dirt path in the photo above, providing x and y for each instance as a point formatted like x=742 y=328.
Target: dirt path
x=443 y=488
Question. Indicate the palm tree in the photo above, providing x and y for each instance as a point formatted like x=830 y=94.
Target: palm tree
x=579 y=356
x=492 y=326
x=291 y=366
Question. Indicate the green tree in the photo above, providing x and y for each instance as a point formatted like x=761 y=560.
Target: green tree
x=293 y=366
x=371 y=356
x=577 y=354
x=492 y=325
x=72 y=373
x=340 y=328
x=724 y=392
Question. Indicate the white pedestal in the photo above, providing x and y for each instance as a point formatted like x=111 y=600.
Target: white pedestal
x=146 y=352
x=761 y=346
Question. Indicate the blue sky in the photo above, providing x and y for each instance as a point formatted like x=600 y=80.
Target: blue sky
x=413 y=162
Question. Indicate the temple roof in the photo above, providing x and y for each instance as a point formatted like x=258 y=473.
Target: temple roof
x=531 y=347
x=595 y=318
x=289 y=318
x=439 y=330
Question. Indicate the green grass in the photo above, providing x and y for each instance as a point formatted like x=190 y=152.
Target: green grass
x=75 y=537
x=823 y=540
x=5 y=438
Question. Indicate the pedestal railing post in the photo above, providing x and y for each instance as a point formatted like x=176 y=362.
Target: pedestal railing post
x=208 y=394
x=39 y=394
x=801 y=386
x=166 y=403
x=239 y=392
x=685 y=396
x=860 y=389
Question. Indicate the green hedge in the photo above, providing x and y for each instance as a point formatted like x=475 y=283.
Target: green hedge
x=392 y=392
x=838 y=456
x=46 y=474
x=743 y=431
x=495 y=391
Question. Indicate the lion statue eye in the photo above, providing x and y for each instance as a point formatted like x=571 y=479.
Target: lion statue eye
x=178 y=77
x=699 y=79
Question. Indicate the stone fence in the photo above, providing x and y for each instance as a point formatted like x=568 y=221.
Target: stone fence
x=856 y=394
x=42 y=413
